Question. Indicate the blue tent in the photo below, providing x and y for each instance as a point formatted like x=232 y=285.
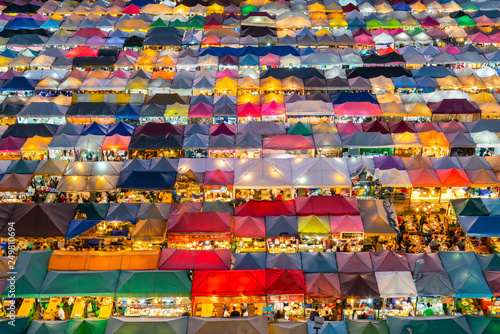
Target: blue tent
x=329 y=327
x=19 y=84
x=426 y=82
x=122 y=212
x=354 y=97
x=282 y=226
x=401 y=7
x=148 y=180
x=289 y=261
x=319 y=262
x=249 y=261
x=128 y=111
x=356 y=23
x=465 y=274
x=51 y=24
x=404 y=82
x=433 y=72
x=79 y=226
x=23 y=23
x=480 y=226
x=163 y=165
x=249 y=60
x=121 y=129
x=23 y=166
x=95 y=129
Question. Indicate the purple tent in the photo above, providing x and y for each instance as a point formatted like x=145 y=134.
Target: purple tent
x=389 y=261
x=432 y=262
x=52 y=219
x=152 y=129
x=354 y=262
x=11 y=144
x=454 y=106
x=389 y=162
x=359 y=285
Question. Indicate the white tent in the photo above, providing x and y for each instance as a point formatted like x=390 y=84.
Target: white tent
x=393 y=178
x=262 y=173
x=320 y=172
x=393 y=284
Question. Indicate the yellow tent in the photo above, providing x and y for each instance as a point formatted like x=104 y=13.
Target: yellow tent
x=47 y=84
x=270 y=84
x=492 y=81
x=215 y=8
x=449 y=82
x=316 y=7
x=292 y=83
x=181 y=9
x=226 y=83
x=418 y=110
x=177 y=109
x=393 y=109
x=272 y=97
x=314 y=224
x=489 y=109
x=4 y=61
x=471 y=82
x=418 y=7
x=156 y=9
x=137 y=83
x=247 y=98
x=98 y=74
x=36 y=144
x=483 y=97
x=406 y=139
x=131 y=25
x=382 y=83
x=150 y=53
x=338 y=23
x=388 y=97
x=165 y=61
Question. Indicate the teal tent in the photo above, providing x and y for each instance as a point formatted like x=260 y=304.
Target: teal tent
x=147 y=325
x=31 y=268
x=80 y=283
x=367 y=327
x=469 y=207
x=483 y=325
x=429 y=325
x=47 y=327
x=153 y=283
x=15 y=326
x=465 y=274
x=329 y=327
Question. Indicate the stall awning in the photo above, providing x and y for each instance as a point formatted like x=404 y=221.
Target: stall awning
x=326 y=205
x=249 y=227
x=149 y=284
x=183 y=259
x=281 y=282
x=200 y=222
x=79 y=283
x=322 y=285
x=229 y=283
x=394 y=284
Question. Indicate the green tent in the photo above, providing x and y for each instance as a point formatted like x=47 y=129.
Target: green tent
x=373 y=24
x=87 y=326
x=196 y=22
x=300 y=128
x=153 y=284
x=391 y=24
x=158 y=23
x=469 y=6
x=79 y=283
x=124 y=325
x=483 y=325
x=177 y=24
x=367 y=327
x=249 y=9
x=18 y=326
x=469 y=207
x=414 y=32
x=31 y=268
x=429 y=325
x=47 y=327
x=94 y=211
x=465 y=21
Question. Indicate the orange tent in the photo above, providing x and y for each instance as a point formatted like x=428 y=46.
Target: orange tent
x=96 y=261
x=116 y=143
x=424 y=178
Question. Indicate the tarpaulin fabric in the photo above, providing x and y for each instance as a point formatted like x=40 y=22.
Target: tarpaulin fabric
x=229 y=283
x=181 y=259
x=280 y=281
x=200 y=222
x=326 y=205
x=322 y=285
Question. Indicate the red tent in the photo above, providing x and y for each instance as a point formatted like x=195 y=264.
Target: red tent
x=424 y=178
x=249 y=227
x=326 y=205
x=289 y=142
x=223 y=129
x=249 y=110
x=131 y=9
x=322 y=285
x=218 y=178
x=427 y=126
x=201 y=109
x=186 y=259
x=81 y=51
x=346 y=224
x=90 y=32
x=11 y=144
x=376 y=126
x=266 y=208
x=453 y=177
x=199 y=222
x=229 y=283
x=401 y=127
x=349 y=128
x=284 y=282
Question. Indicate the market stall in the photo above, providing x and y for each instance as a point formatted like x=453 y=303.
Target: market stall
x=285 y=291
x=282 y=234
x=153 y=293
x=249 y=234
